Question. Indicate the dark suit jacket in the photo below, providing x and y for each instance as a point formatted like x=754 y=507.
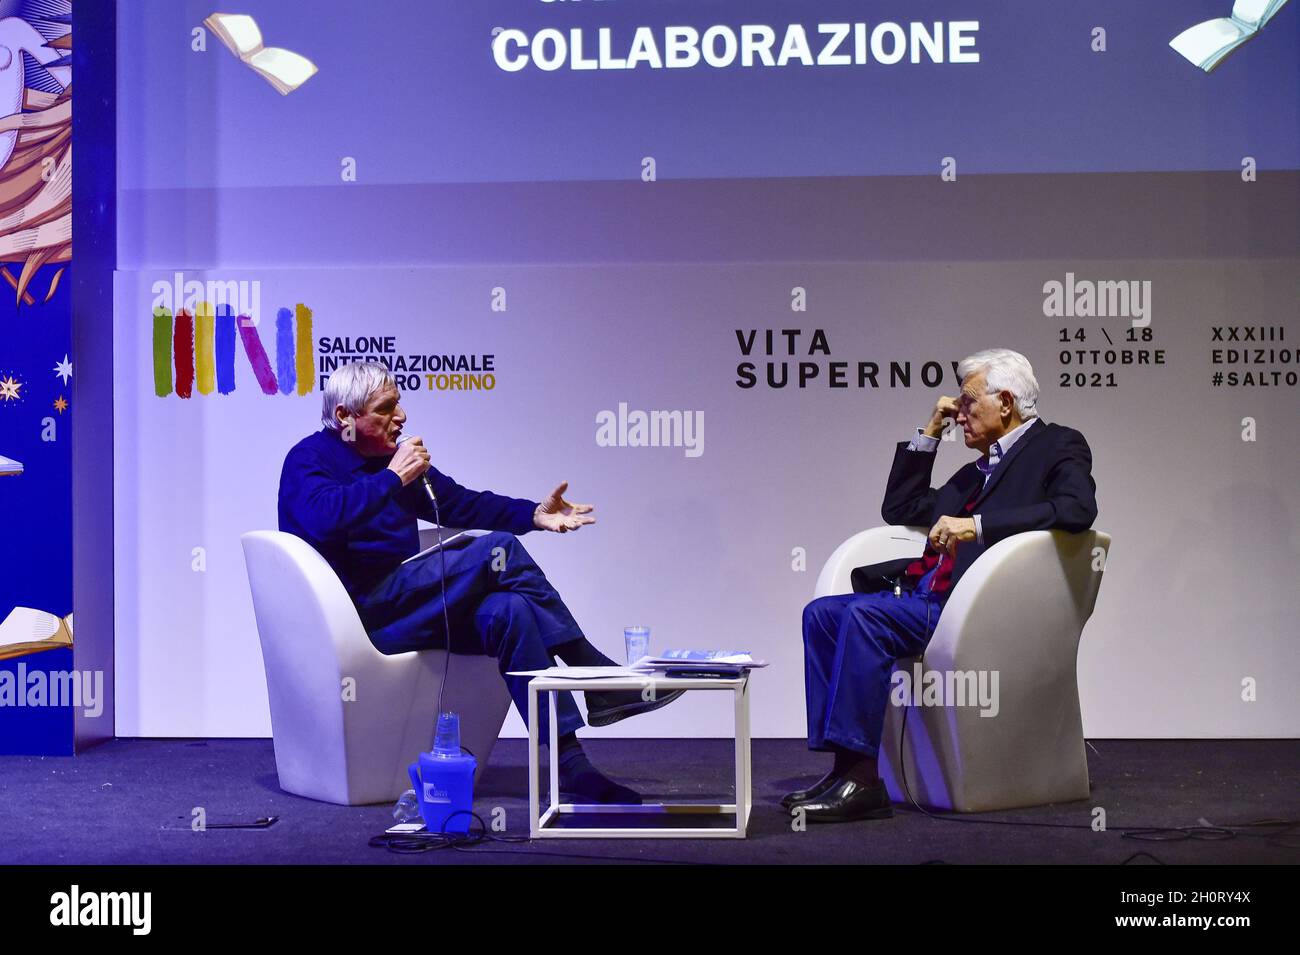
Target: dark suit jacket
x=1043 y=482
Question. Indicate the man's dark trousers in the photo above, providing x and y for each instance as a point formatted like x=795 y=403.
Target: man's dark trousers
x=850 y=644
x=498 y=603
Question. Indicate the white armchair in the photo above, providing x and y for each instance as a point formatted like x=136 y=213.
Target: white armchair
x=1019 y=609
x=356 y=751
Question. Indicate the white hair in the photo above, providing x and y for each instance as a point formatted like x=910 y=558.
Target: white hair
x=352 y=386
x=1005 y=370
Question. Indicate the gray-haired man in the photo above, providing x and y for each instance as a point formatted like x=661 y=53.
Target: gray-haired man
x=352 y=492
x=1030 y=476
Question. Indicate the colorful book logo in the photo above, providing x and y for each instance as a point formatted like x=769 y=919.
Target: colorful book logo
x=201 y=349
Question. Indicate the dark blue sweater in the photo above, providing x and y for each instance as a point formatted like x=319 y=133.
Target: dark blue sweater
x=363 y=521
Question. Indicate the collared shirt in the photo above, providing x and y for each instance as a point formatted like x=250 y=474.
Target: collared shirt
x=360 y=517
x=997 y=451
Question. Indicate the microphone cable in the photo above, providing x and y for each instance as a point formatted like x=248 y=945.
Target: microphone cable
x=442 y=557
x=446 y=619
x=902 y=732
x=415 y=843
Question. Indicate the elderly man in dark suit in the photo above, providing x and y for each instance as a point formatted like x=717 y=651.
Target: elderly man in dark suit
x=1030 y=476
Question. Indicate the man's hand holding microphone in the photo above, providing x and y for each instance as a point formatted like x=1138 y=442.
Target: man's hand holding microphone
x=411 y=459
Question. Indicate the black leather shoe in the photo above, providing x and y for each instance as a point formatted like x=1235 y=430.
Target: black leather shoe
x=812 y=792
x=606 y=708
x=847 y=801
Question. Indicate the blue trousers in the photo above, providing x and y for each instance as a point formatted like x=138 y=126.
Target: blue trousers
x=498 y=603
x=850 y=644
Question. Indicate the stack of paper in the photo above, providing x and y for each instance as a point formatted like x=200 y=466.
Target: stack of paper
x=581 y=673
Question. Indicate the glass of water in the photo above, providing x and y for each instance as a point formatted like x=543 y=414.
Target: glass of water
x=637 y=642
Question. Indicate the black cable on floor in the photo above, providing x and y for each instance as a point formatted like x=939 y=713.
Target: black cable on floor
x=1152 y=833
x=418 y=842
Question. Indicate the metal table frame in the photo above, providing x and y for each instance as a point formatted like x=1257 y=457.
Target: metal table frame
x=540 y=823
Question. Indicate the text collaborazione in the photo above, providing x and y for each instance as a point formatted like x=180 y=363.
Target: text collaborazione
x=748 y=45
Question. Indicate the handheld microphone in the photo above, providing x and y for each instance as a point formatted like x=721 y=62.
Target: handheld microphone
x=424 y=478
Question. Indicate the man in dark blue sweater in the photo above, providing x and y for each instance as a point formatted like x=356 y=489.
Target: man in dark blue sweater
x=352 y=492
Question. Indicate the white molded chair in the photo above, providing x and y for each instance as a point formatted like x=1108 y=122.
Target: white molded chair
x=1019 y=609
x=356 y=752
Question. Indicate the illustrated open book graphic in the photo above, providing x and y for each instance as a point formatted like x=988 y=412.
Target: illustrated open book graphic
x=283 y=69
x=1207 y=44
x=10 y=466
x=26 y=630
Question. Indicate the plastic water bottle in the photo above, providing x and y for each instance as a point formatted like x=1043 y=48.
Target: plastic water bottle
x=407 y=807
x=446 y=741
x=444 y=780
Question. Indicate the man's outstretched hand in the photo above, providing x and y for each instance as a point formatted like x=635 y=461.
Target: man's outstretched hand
x=557 y=514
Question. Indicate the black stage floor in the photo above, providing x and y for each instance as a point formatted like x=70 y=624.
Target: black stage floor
x=131 y=801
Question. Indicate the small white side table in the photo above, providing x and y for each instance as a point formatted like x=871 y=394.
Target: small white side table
x=542 y=825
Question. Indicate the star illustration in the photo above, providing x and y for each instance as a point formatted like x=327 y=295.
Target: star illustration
x=61 y=404
x=63 y=369
x=9 y=388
